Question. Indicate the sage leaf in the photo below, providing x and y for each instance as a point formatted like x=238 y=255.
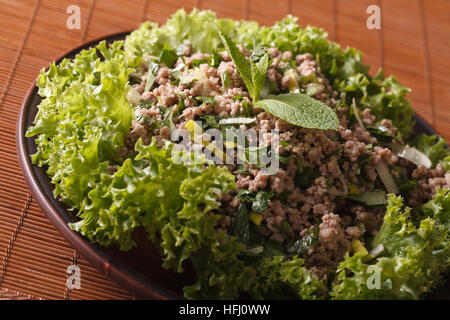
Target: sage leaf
x=300 y=110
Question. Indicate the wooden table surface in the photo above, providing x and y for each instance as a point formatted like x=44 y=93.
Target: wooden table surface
x=413 y=44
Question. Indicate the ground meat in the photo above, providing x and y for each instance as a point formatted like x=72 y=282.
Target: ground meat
x=230 y=69
x=334 y=159
x=354 y=149
x=367 y=117
x=371 y=219
x=331 y=234
x=353 y=232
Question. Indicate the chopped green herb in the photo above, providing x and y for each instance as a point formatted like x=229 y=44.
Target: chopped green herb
x=248 y=111
x=197 y=62
x=261 y=202
x=303 y=245
x=225 y=80
x=380 y=133
x=241 y=169
x=304 y=179
x=206 y=100
x=286 y=229
x=338 y=151
x=168 y=56
x=145 y=104
x=373 y=198
x=286 y=159
x=240 y=224
x=257 y=53
x=215 y=59
x=246 y=195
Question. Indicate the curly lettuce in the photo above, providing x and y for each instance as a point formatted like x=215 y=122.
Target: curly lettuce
x=416 y=254
x=434 y=147
x=344 y=67
x=82 y=119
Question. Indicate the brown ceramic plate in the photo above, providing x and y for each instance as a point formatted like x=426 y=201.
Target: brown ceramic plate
x=138 y=270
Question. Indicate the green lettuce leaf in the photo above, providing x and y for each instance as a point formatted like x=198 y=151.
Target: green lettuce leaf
x=434 y=147
x=169 y=200
x=82 y=119
x=415 y=256
x=223 y=275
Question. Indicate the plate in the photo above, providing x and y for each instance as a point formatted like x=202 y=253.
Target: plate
x=138 y=270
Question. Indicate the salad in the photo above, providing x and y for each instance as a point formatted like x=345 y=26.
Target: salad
x=266 y=157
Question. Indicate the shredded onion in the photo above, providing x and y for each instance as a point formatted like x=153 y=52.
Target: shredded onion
x=188 y=78
x=236 y=120
x=255 y=250
x=412 y=154
x=356 y=111
x=385 y=176
x=336 y=192
x=377 y=250
x=179 y=67
x=332 y=190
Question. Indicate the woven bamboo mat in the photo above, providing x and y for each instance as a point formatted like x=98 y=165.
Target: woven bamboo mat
x=412 y=44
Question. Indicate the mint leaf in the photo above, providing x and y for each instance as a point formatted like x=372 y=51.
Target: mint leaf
x=302 y=246
x=257 y=53
x=312 y=90
x=261 y=202
x=239 y=60
x=259 y=71
x=300 y=110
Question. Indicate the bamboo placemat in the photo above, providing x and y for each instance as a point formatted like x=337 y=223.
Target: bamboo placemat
x=412 y=44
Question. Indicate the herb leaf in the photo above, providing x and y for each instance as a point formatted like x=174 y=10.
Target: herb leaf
x=259 y=71
x=240 y=224
x=303 y=245
x=206 y=100
x=150 y=81
x=373 y=198
x=168 y=56
x=380 y=133
x=151 y=75
x=261 y=202
x=225 y=79
x=301 y=110
x=239 y=60
x=306 y=177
